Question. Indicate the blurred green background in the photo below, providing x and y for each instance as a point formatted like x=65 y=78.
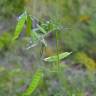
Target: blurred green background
x=76 y=20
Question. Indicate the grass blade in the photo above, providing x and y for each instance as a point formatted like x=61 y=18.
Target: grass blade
x=42 y=29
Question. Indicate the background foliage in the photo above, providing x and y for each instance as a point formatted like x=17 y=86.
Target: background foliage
x=9 y=8
x=75 y=23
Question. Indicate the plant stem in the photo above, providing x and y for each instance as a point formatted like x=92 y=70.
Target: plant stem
x=57 y=49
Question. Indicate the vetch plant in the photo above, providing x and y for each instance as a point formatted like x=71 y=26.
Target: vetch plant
x=37 y=36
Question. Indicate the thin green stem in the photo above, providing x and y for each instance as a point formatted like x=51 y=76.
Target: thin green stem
x=57 y=49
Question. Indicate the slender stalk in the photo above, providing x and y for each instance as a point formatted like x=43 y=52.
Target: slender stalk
x=57 y=48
